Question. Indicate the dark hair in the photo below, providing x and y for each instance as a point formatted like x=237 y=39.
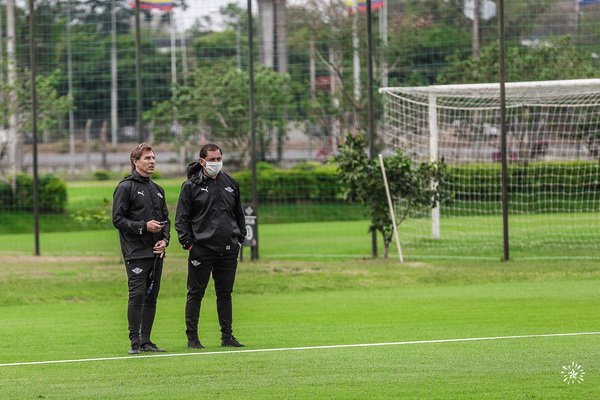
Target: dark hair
x=137 y=153
x=209 y=147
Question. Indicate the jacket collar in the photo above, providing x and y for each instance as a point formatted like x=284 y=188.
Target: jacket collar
x=135 y=176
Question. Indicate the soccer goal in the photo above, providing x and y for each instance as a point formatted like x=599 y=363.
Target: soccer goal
x=553 y=153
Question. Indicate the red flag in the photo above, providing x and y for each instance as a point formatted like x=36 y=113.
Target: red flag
x=156 y=4
x=362 y=5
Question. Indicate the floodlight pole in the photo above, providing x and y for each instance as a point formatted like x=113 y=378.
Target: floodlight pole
x=36 y=194
x=254 y=254
x=138 y=72
x=371 y=129
x=70 y=86
x=114 y=100
x=502 y=79
x=11 y=77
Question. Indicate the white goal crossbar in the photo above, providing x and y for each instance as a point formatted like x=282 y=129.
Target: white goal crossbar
x=547 y=121
x=520 y=89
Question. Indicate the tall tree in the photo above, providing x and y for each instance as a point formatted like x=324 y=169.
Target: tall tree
x=556 y=59
x=215 y=104
x=91 y=55
x=98 y=14
x=51 y=111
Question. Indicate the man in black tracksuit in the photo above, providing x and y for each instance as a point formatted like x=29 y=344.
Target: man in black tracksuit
x=210 y=224
x=141 y=216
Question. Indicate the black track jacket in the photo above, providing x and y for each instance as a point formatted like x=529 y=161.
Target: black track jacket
x=136 y=201
x=209 y=212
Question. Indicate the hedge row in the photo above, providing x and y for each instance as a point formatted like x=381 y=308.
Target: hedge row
x=483 y=181
x=468 y=182
x=52 y=194
x=320 y=183
x=310 y=181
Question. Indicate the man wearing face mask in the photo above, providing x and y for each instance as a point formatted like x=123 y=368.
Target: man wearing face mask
x=210 y=224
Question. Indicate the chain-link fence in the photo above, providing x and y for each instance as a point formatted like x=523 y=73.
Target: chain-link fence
x=311 y=87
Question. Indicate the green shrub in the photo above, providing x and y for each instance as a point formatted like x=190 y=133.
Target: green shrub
x=6 y=197
x=52 y=194
x=535 y=183
x=475 y=182
x=101 y=175
x=264 y=166
x=300 y=184
x=552 y=179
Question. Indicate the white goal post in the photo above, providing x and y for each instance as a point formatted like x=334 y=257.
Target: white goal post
x=553 y=142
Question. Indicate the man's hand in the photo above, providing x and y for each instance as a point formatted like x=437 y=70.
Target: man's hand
x=154 y=226
x=159 y=248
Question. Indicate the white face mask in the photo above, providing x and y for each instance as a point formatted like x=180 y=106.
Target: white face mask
x=213 y=168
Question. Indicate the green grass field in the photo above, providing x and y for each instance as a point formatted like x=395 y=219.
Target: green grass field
x=321 y=319
x=301 y=321
x=462 y=237
x=318 y=231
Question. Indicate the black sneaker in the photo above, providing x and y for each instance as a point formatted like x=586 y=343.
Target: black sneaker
x=230 y=341
x=151 y=347
x=135 y=349
x=194 y=344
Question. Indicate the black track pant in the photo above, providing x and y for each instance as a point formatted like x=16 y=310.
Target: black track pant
x=142 y=305
x=201 y=263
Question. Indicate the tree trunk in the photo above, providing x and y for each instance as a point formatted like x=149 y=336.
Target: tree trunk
x=266 y=32
x=88 y=144
x=12 y=97
x=281 y=36
x=356 y=64
x=476 y=18
x=103 y=144
x=312 y=68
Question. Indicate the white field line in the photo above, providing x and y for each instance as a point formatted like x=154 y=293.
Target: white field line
x=304 y=348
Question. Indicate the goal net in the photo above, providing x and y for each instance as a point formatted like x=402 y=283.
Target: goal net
x=553 y=153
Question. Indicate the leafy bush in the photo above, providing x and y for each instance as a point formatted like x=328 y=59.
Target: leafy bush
x=156 y=175
x=52 y=194
x=299 y=184
x=5 y=196
x=477 y=183
x=556 y=178
x=101 y=175
x=98 y=215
